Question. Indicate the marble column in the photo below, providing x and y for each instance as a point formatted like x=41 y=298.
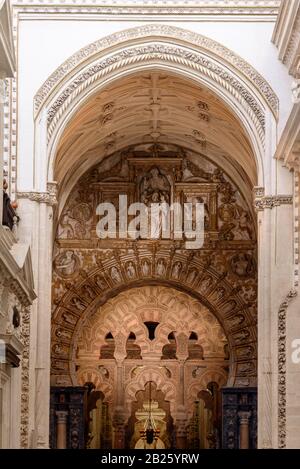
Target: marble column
x=119 y=434
x=244 y=429
x=118 y=417
x=36 y=225
x=181 y=434
x=61 y=429
x=275 y=281
x=42 y=368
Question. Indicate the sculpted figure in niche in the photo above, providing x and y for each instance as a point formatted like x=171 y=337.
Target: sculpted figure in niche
x=154 y=187
x=160 y=268
x=88 y=292
x=115 y=275
x=100 y=282
x=218 y=294
x=230 y=305
x=206 y=283
x=130 y=270
x=241 y=336
x=63 y=334
x=236 y=320
x=58 y=349
x=244 y=368
x=66 y=263
x=145 y=268
x=176 y=270
x=77 y=303
x=245 y=352
x=192 y=275
x=69 y=318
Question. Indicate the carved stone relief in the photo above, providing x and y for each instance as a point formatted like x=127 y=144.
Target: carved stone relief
x=106 y=289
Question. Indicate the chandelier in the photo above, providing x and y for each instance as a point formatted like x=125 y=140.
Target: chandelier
x=150 y=432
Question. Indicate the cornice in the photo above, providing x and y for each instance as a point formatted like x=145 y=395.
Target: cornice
x=124 y=9
x=286 y=35
x=288 y=148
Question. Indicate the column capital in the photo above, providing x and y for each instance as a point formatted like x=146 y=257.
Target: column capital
x=61 y=416
x=244 y=417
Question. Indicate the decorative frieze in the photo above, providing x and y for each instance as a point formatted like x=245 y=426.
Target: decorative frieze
x=282 y=368
x=157 y=52
x=155 y=10
x=48 y=197
x=24 y=430
x=271 y=201
x=207 y=45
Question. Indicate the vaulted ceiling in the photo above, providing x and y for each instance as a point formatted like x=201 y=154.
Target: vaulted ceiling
x=154 y=107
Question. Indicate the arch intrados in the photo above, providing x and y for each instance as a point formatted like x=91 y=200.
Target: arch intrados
x=175 y=71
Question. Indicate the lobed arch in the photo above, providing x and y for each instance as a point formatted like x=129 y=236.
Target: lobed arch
x=90 y=374
x=215 y=375
x=241 y=336
x=164 y=384
x=177 y=316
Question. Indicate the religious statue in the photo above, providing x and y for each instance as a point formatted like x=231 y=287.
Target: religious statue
x=192 y=276
x=78 y=303
x=115 y=275
x=145 y=268
x=69 y=318
x=154 y=188
x=176 y=270
x=160 y=268
x=130 y=270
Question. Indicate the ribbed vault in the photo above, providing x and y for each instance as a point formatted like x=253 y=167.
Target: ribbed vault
x=152 y=108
